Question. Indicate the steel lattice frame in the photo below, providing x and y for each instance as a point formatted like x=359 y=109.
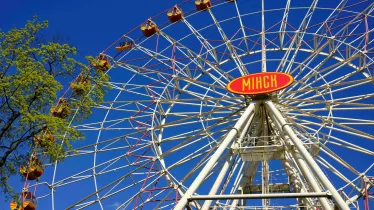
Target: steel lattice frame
x=168 y=116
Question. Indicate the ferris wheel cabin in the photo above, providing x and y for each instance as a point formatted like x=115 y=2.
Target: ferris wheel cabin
x=102 y=64
x=149 y=28
x=29 y=202
x=203 y=5
x=175 y=14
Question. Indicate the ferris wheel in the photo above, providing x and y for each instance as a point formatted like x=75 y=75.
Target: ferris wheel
x=172 y=134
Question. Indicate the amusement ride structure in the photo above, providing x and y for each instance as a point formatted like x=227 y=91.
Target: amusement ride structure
x=175 y=132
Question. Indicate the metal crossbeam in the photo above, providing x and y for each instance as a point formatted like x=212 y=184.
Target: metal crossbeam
x=260 y=196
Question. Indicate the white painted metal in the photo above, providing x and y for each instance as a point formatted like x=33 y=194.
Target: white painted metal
x=234 y=132
x=306 y=172
x=218 y=182
x=259 y=196
x=296 y=181
x=307 y=157
x=226 y=165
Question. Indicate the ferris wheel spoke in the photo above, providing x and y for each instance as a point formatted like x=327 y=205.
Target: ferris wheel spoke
x=143 y=71
x=358 y=20
x=334 y=14
x=343 y=61
x=318 y=76
x=329 y=104
x=336 y=172
x=331 y=127
x=148 y=177
x=191 y=157
x=236 y=171
x=328 y=151
x=326 y=92
x=327 y=137
x=109 y=142
x=230 y=106
x=80 y=152
x=111 y=194
x=241 y=25
x=297 y=38
x=204 y=86
x=108 y=125
x=233 y=54
x=171 y=101
x=345 y=29
x=199 y=165
x=159 y=205
x=106 y=186
x=98 y=166
x=336 y=82
x=203 y=41
x=197 y=121
x=199 y=60
x=342 y=120
x=201 y=151
x=196 y=116
x=347 y=129
x=163 y=73
x=161 y=58
x=173 y=149
x=310 y=74
x=306 y=78
x=187 y=134
x=324 y=86
x=197 y=57
x=263 y=38
x=145 y=91
x=179 y=46
x=191 y=139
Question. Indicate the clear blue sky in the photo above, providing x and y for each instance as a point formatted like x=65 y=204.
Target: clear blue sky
x=90 y=25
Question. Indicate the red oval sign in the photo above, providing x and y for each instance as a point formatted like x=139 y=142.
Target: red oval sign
x=260 y=83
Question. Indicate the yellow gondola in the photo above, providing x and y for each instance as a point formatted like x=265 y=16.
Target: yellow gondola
x=13 y=205
x=149 y=28
x=80 y=86
x=29 y=202
x=62 y=110
x=102 y=64
x=175 y=14
x=203 y=5
x=41 y=138
x=34 y=171
x=124 y=46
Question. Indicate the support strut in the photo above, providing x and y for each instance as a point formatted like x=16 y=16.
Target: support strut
x=307 y=157
x=232 y=134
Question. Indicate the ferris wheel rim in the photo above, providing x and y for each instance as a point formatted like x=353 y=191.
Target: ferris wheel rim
x=197 y=78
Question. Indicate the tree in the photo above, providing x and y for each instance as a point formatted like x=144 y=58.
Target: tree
x=30 y=73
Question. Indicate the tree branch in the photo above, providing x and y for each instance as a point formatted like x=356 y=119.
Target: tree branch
x=7 y=68
x=13 y=146
x=9 y=123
